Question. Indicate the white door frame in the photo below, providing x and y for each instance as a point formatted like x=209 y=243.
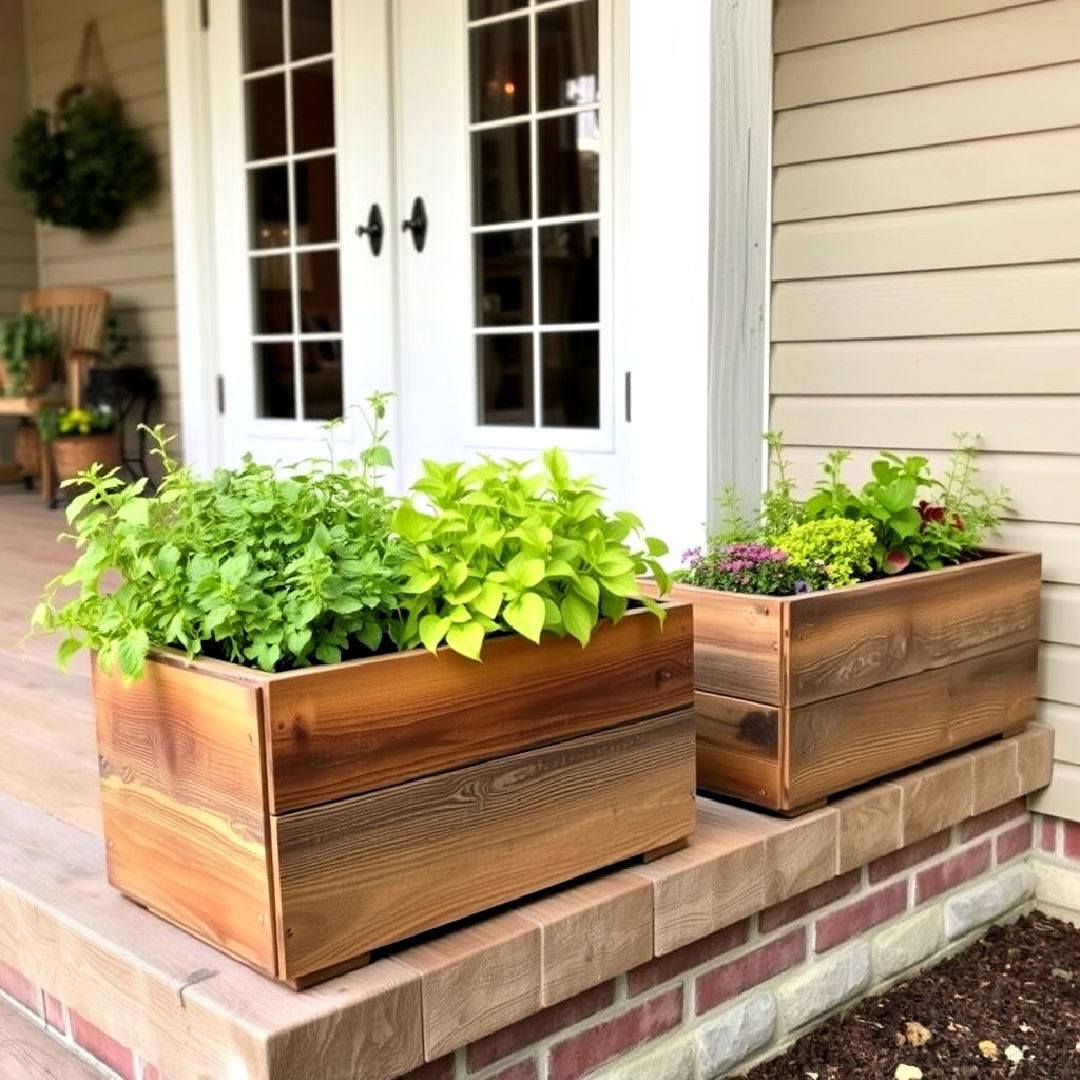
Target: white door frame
x=668 y=279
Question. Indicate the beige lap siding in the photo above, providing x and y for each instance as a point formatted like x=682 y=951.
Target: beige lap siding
x=136 y=262
x=926 y=265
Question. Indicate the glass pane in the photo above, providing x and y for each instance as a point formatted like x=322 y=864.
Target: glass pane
x=499 y=69
x=500 y=170
x=481 y=9
x=271 y=294
x=503 y=277
x=505 y=368
x=567 y=56
x=269 y=194
x=266 y=117
x=321 y=364
x=570 y=376
x=320 y=292
x=275 y=380
x=263 y=36
x=311 y=26
x=570 y=273
x=313 y=107
x=316 y=200
x=569 y=165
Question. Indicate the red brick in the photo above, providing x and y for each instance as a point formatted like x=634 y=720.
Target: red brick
x=104 y=1047
x=150 y=1073
x=525 y=1032
x=731 y=979
x=952 y=872
x=522 y=1070
x=1072 y=840
x=897 y=862
x=1013 y=841
x=15 y=984
x=838 y=926
x=54 y=1013
x=992 y=819
x=1048 y=834
x=689 y=956
x=787 y=911
x=589 y=1049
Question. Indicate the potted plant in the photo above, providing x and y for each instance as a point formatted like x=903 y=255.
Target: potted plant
x=856 y=633
x=79 y=438
x=303 y=760
x=28 y=354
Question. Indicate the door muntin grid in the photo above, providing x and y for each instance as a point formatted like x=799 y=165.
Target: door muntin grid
x=293 y=242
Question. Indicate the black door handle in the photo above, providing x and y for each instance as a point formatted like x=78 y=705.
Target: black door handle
x=417 y=224
x=373 y=230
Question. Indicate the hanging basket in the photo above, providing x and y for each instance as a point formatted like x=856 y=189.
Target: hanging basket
x=83 y=166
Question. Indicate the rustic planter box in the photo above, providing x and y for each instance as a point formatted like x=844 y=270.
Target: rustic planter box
x=801 y=697
x=300 y=820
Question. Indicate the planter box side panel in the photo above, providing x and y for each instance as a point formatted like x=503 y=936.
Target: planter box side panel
x=339 y=731
x=847 y=740
x=739 y=747
x=738 y=643
x=380 y=867
x=853 y=638
x=183 y=801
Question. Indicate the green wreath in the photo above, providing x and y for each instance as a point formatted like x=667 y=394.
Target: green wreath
x=85 y=166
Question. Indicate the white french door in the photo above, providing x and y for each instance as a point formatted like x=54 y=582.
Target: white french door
x=487 y=126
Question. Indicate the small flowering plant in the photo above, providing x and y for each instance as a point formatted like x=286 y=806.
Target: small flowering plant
x=902 y=519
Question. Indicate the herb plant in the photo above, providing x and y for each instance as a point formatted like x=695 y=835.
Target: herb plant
x=499 y=547
x=829 y=552
x=22 y=338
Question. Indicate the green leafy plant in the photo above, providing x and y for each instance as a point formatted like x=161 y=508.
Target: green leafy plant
x=500 y=548
x=23 y=338
x=829 y=552
x=264 y=568
x=84 y=166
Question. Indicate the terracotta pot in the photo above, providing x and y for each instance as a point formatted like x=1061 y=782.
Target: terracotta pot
x=73 y=453
x=38 y=379
x=28 y=450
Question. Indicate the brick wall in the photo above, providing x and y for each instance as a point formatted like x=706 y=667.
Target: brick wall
x=748 y=990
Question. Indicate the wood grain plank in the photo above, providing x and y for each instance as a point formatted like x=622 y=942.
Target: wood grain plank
x=739 y=748
x=1025 y=101
x=1044 y=228
x=1030 y=424
x=800 y=23
x=333 y=732
x=1005 y=364
x=183 y=798
x=737 y=642
x=379 y=867
x=26 y=1051
x=1008 y=166
x=1014 y=299
x=884 y=630
x=847 y=740
x=1012 y=39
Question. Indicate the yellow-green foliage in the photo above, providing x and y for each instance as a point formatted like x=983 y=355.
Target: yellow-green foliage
x=831 y=551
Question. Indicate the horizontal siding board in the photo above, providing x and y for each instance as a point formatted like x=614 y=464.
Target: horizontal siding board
x=942 y=302
x=1059 y=673
x=1061 y=614
x=1043 y=425
x=1013 y=39
x=1065 y=720
x=954 y=112
x=1062 y=797
x=801 y=23
x=1058 y=544
x=119 y=266
x=999 y=168
x=990 y=364
x=1017 y=231
x=1042 y=486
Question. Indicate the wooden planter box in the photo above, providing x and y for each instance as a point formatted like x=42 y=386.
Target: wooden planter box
x=801 y=697
x=300 y=820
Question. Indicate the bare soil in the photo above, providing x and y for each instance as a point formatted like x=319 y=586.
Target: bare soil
x=1008 y=1006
